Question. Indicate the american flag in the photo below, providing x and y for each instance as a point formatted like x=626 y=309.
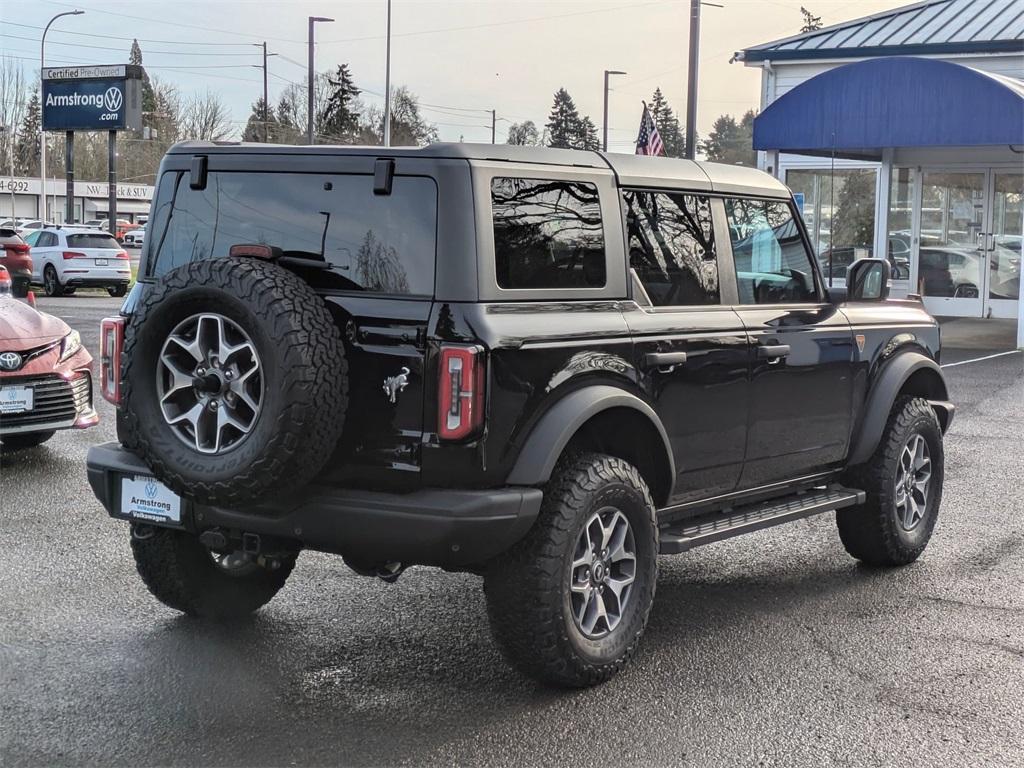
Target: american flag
x=648 y=142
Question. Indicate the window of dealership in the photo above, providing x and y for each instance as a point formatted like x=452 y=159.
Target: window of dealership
x=902 y=136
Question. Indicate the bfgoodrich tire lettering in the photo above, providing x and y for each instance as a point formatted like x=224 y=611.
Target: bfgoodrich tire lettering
x=529 y=589
x=303 y=370
x=881 y=532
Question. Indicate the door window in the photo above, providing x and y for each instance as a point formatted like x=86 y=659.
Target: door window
x=32 y=238
x=547 y=234
x=672 y=247
x=952 y=220
x=772 y=262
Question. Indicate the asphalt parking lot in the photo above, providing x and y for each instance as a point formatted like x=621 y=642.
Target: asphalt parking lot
x=771 y=649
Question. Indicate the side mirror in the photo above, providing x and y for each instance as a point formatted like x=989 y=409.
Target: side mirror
x=868 y=280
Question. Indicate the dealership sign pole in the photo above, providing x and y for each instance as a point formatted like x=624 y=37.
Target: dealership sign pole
x=93 y=99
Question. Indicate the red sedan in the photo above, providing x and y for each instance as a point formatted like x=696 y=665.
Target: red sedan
x=45 y=374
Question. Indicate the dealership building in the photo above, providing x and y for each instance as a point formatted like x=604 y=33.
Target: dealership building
x=21 y=198
x=902 y=136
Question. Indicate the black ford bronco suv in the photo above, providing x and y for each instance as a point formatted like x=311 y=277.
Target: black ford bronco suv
x=543 y=366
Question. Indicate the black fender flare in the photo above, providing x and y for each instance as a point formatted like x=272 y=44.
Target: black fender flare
x=557 y=427
x=883 y=394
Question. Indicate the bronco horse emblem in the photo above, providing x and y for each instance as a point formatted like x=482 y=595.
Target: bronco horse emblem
x=395 y=384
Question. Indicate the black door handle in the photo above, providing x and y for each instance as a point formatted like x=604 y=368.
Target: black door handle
x=773 y=352
x=664 y=361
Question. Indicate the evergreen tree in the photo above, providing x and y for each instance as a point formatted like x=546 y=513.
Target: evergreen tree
x=287 y=120
x=811 y=23
x=587 y=137
x=339 y=120
x=27 y=151
x=261 y=123
x=563 y=126
x=730 y=141
x=149 y=105
x=668 y=125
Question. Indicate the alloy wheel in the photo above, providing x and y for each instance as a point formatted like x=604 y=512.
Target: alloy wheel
x=602 y=572
x=210 y=383
x=913 y=477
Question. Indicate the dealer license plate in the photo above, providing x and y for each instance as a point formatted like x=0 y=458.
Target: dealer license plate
x=101 y=262
x=143 y=498
x=15 y=399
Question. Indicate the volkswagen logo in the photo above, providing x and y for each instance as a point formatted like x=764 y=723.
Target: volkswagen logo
x=112 y=99
x=150 y=490
x=10 y=361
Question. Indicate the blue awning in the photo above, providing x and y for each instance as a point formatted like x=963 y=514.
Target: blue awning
x=858 y=109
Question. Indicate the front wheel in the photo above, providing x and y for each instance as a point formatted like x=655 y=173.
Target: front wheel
x=569 y=603
x=903 y=481
x=185 y=575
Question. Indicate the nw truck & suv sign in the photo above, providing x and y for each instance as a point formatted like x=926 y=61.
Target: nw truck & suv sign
x=92 y=98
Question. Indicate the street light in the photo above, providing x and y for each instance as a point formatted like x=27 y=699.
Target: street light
x=607 y=73
x=387 y=83
x=42 y=133
x=266 y=102
x=311 y=100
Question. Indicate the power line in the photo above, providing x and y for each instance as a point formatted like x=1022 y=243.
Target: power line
x=122 y=49
x=115 y=37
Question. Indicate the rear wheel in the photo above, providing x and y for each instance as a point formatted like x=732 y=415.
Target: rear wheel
x=903 y=481
x=25 y=440
x=569 y=603
x=117 y=291
x=186 y=576
x=51 y=283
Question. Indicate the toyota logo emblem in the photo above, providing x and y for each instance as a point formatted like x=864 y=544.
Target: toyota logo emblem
x=112 y=99
x=10 y=361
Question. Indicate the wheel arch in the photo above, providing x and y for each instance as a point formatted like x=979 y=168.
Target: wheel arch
x=605 y=419
x=909 y=373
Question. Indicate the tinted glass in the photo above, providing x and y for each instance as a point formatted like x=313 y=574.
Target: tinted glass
x=772 y=263
x=381 y=243
x=672 y=247
x=33 y=238
x=90 y=240
x=547 y=234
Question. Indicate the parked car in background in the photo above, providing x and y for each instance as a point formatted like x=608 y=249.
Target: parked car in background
x=96 y=223
x=16 y=257
x=66 y=259
x=136 y=237
x=45 y=374
x=123 y=228
x=32 y=225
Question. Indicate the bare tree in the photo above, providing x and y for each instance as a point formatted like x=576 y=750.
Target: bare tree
x=14 y=95
x=206 y=117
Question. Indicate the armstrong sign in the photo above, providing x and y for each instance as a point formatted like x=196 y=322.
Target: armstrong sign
x=92 y=98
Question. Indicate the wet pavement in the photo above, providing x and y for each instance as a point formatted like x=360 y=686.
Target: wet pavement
x=771 y=649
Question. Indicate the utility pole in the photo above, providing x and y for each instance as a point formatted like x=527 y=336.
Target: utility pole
x=691 y=89
x=310 y=97
x=607 y=72
x=494 y=124
x=42 y=133
x=266 y=96
x=387 y=83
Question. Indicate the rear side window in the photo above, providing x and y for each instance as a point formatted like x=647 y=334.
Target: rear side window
x=672 y=247
x=547 y=234
x=90 y=240
x=772 y=262
x=368 y=242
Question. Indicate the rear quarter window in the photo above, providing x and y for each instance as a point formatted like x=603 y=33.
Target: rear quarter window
x=367 y=242
x=547 y=234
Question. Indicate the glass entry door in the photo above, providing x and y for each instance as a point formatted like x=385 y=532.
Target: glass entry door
x=1004 y=243
x=951 y=262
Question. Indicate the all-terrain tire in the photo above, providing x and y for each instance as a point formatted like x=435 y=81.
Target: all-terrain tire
x=25 y=440
x=528 y=588
x=872 y=532
x=302 y=364
x=182 y=574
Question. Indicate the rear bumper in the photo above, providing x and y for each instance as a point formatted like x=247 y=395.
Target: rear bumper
x=73 y=281
x=433 y=526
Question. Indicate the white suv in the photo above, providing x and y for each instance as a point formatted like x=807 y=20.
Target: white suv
x=65 y=258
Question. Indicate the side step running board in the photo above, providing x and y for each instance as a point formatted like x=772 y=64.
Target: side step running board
x=717 y=526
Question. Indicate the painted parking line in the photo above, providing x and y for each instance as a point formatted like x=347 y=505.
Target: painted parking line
x=979 y=359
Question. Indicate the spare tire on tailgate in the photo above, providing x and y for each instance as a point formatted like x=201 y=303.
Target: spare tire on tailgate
x=234 y=380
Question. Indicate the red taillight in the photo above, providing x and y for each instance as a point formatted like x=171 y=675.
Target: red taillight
x=460 y=394
x=5 y=281
x=121 y=255
x=74 y=255
x=21 y=248
x=111 y=343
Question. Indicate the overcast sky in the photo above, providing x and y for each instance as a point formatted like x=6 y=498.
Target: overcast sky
x=462 y=58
